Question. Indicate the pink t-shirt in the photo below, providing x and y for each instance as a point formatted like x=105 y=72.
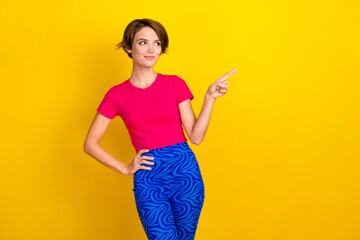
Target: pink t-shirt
x=150 y=114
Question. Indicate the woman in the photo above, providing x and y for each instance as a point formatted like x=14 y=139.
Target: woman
x=168 y=186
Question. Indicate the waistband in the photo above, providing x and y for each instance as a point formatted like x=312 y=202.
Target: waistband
x=171 y=150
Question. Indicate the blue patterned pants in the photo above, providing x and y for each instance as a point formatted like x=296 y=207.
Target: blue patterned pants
x=170 y=196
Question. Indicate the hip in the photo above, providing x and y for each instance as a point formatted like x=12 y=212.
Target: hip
x=171 y=163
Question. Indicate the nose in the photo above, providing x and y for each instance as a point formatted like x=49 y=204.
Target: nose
x=150 y=49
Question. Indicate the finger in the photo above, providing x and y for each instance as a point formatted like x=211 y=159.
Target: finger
x=223 y=90
x=141 y=152
x=147 y=162
x=146 y=168
x=233 y=71
x=221 y=85
x=227 y=75
x=147 y=157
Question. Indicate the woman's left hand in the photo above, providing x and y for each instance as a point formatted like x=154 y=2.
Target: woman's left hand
x=219 y=87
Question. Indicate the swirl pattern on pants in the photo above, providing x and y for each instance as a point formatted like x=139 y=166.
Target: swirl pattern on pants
x=169 y=197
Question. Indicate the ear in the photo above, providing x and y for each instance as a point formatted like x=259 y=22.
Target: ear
x=128 y=50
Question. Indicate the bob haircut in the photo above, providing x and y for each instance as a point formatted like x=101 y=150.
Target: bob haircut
x=135 y=26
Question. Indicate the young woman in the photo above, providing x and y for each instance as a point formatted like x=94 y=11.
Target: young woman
x=168 y=186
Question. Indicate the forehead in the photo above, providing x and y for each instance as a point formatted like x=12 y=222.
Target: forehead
x=146 y=33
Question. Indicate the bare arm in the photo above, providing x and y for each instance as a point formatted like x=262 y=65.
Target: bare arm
x=196 y=128
x=92 y=147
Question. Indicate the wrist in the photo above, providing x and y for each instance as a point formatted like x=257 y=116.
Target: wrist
x=208 y=97
x=124 y=169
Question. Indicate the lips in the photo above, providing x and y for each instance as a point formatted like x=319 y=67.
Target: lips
x=149 y=57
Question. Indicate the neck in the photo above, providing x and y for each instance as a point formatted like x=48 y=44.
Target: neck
x=143 y=77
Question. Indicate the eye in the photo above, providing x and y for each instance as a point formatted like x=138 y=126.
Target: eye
x=144 y=41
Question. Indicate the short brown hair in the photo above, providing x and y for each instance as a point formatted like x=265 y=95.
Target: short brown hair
x=135 y=26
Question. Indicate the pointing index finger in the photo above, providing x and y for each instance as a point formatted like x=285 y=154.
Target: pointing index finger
x=228 y=74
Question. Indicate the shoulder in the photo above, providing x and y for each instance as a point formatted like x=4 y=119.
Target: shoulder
x=167 y=76
x=172 y=79
x=118 y=88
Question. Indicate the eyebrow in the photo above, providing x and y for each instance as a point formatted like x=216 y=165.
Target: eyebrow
x=146 y=39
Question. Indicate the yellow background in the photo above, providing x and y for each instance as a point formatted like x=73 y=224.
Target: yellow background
x=281 y=156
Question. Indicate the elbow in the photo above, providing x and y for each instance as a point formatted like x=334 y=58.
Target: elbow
x=86 y=147
x=196 y=142
x=90 y=146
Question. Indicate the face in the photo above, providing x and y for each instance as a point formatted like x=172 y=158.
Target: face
x=146 y=43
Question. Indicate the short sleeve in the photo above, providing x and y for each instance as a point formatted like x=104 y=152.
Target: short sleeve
x=107 y=106
x=183 y=91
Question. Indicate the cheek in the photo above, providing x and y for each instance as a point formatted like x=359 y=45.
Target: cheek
x=140 y=51
x=139 y=48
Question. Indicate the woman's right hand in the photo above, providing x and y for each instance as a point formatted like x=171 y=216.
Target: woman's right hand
x=134 y=166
